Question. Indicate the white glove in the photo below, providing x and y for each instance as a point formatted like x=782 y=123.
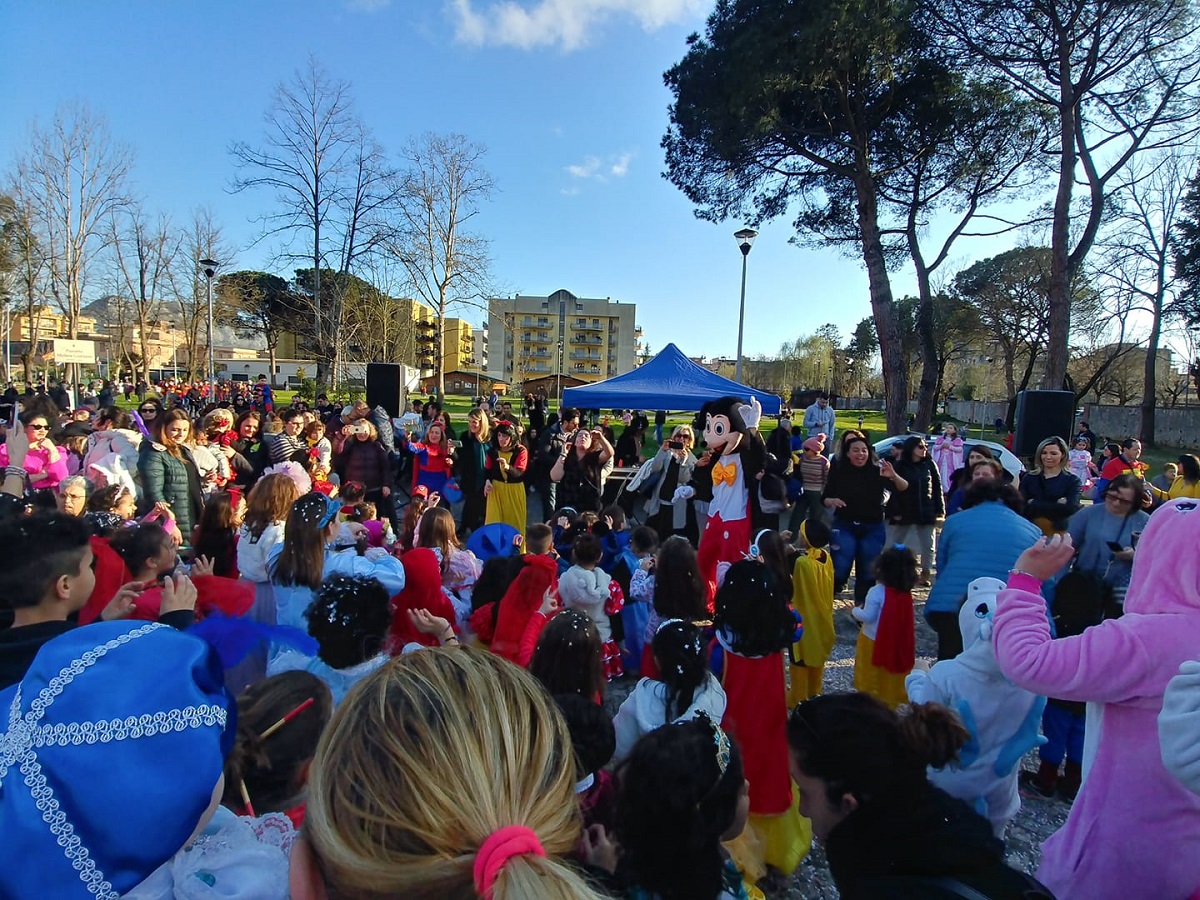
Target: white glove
x=1179 y=726
x=722 y=569
x=683 y=492
x=751 y=413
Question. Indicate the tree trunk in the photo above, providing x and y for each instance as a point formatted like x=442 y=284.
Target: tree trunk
x=895 y=372
x=271 y=363
x=1150 y=375
x=1058 y=344
x=930 y=373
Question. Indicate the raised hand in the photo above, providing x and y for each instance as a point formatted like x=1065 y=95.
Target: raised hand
x=121 y=605
x=1047 y=557
x=202 y=565
x=178 y=593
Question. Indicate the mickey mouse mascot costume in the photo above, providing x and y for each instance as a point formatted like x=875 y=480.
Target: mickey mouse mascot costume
x=734 y=463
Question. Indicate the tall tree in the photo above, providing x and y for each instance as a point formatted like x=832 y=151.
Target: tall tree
x=25 y=264
x=143 y=254
x=258 y=306
x=305 y=158
x=1010 y=294
x=860 y=352
x=821 y=92
x=1137 y=254
x=1118 y=76
x=972 y=147
x=1185 y=244
x=76 y=178
x=202 y=238
x=441 y=193
x=817 y=104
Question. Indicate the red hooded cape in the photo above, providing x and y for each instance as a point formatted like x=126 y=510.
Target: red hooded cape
x=422 y=590
x=522 y=599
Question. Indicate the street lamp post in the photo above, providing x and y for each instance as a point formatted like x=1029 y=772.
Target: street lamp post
x=745 y=237
x=210 y=266
x=560 y=365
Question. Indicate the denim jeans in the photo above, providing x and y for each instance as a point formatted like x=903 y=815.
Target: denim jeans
x=856 y=545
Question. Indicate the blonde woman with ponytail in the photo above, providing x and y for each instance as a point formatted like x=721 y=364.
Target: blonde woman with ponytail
x=445 y=774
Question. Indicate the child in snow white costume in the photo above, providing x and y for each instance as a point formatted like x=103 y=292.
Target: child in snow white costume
x=812 y=598
x=734 y=461
x=1003 y=718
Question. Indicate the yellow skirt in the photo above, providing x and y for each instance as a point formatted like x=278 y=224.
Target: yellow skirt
x=805 y=682
x=780 y=841
x=874 y=680
x=506 y=503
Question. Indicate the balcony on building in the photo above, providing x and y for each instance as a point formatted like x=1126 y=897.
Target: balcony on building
x=593 y=340
x=584 y=354
x=584 y=325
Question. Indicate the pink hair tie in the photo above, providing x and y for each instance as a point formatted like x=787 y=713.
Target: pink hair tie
x=495 y=852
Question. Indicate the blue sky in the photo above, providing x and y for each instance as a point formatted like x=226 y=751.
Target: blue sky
x=567 y=96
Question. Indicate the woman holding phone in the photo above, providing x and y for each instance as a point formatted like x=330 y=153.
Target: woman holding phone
x=580 y=470
x=670 y=467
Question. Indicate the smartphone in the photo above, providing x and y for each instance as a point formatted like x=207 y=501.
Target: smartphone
x=1114 y=546
x=674 y=445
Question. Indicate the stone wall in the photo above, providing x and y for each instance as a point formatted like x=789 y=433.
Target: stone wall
x=1173 y=427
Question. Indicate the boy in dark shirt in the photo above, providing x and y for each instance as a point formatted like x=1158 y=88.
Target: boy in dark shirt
x=46 y=577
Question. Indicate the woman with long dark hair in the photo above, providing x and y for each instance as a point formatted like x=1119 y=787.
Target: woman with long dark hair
x=469 y=469
x=855 y=492
x=913 y=514
x=861 y=770
x=169 y=474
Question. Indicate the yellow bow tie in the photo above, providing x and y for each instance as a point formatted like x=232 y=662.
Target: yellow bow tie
x=726 y=474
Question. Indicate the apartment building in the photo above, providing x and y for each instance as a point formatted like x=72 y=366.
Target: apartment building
x=533 y=337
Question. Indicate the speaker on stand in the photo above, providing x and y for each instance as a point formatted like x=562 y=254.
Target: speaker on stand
x=1043 y=414
x=385 y=387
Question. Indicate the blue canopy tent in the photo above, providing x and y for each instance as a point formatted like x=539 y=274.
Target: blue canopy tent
x=668 y=381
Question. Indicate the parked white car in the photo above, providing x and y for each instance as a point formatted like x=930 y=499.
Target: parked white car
x=1011 y=462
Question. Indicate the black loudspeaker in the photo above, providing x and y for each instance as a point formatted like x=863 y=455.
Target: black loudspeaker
x=385 y=388
x=1043 y=414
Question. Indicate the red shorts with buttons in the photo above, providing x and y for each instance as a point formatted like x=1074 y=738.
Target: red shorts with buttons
x=721 y=542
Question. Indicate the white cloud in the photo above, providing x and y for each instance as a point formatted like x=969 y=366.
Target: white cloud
x=567 y=24
x=594 y=168
x=589 y=168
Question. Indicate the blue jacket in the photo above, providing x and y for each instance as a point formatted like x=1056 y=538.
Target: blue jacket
x=983 y=541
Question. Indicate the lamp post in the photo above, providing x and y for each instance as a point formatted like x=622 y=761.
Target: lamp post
x=560 y=365
x=210 y=266
x=987 y=392
x=745 y=237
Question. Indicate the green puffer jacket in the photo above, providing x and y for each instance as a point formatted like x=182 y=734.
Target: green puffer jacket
x=173 y=480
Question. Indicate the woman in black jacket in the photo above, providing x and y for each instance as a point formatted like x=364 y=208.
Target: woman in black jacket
x=855 y=493
x=913 y=514
x=1051 y=491
x=889 y=833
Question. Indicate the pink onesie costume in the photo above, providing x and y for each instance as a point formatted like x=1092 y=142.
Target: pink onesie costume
x=1133 y=830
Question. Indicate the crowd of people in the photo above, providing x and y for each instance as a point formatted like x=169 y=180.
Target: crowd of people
x=330 y=652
